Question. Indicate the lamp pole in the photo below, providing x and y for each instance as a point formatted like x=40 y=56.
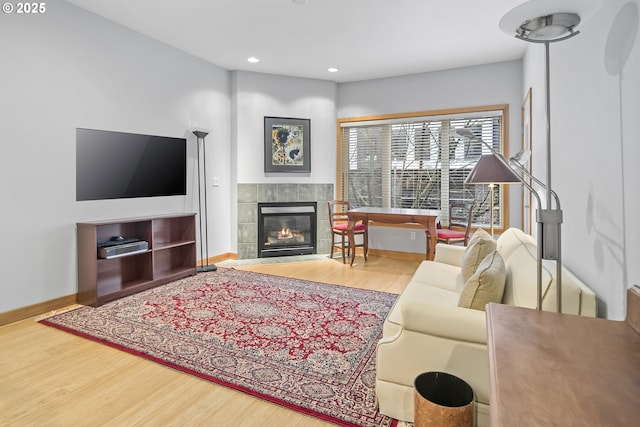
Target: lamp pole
x=549 y=29
x=491 y=187
x=202 y=202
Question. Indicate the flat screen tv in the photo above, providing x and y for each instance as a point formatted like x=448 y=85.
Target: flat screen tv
x=116 y=165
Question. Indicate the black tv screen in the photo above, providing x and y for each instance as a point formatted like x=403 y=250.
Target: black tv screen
x=115 y=165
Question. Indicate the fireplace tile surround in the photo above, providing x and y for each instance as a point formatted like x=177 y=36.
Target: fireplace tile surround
x=249 y=195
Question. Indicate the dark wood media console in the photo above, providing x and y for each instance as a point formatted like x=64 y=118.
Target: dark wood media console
x=171 y=256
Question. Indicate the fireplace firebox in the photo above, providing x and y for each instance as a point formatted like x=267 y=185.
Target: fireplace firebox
x=287 y=228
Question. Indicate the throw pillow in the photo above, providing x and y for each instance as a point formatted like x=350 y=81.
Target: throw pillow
x=486 y=285
x=480 y=245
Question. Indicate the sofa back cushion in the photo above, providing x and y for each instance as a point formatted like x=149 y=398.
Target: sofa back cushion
x=480 y=245
x=576 y=297
x=521 y=287
x=511 y=239
x=486 y=284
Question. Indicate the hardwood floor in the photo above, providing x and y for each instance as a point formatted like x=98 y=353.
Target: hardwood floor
x=53 y=378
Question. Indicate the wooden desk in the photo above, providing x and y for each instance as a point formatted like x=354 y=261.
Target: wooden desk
x=550 y=369
x=425 y=217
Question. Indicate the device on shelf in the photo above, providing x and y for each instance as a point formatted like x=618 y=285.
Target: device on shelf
x=124 y=247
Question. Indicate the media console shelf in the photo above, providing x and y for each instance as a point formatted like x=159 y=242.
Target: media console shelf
x=171 y=256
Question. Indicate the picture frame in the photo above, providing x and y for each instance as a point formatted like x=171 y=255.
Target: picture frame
x=527 y=197
x=287 y=145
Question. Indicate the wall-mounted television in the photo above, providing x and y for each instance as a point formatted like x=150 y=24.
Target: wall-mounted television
x=115 y=165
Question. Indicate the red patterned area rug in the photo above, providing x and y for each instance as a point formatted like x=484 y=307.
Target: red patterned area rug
x=305 y=345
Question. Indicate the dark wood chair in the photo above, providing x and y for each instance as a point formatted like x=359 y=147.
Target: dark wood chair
x=460 y=216
x=338 y=221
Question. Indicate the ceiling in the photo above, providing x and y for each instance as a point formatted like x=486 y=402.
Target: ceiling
x=364 y=39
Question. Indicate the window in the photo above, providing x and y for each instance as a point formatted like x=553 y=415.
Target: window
x=417 y=160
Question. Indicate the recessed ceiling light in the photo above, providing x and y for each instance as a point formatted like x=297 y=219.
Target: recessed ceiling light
x=253 y=60
x=299 y=2
x=332 y=70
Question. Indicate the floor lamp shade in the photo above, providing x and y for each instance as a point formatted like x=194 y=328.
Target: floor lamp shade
x=491 y=170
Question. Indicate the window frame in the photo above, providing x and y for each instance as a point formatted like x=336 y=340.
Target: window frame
x=504 y=222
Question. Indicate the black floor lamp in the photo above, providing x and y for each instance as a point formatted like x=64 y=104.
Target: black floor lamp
x=202 y=201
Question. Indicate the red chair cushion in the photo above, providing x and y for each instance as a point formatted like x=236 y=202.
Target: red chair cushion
x=444 y=233
x=343 y=227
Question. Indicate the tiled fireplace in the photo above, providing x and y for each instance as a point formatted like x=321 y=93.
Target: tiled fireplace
x=286 y=228
x=250 y=195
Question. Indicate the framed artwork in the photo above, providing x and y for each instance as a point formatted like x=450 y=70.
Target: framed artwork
x=527 y=198
x=287 y=145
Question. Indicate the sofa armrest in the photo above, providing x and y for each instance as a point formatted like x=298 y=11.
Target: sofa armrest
x=456 y=323
x=449 y=254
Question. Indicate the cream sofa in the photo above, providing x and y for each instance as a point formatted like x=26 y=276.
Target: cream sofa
x=426 y=330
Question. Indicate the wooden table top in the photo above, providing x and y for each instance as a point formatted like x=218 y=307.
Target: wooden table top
x=550 y=369
x=396 y=211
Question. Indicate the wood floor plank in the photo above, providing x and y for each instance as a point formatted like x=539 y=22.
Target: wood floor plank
x=52 y=378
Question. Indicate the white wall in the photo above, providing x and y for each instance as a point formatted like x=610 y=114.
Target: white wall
x=595 y=148
x=69 y=68
x=257 y=96
x=481 y=85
